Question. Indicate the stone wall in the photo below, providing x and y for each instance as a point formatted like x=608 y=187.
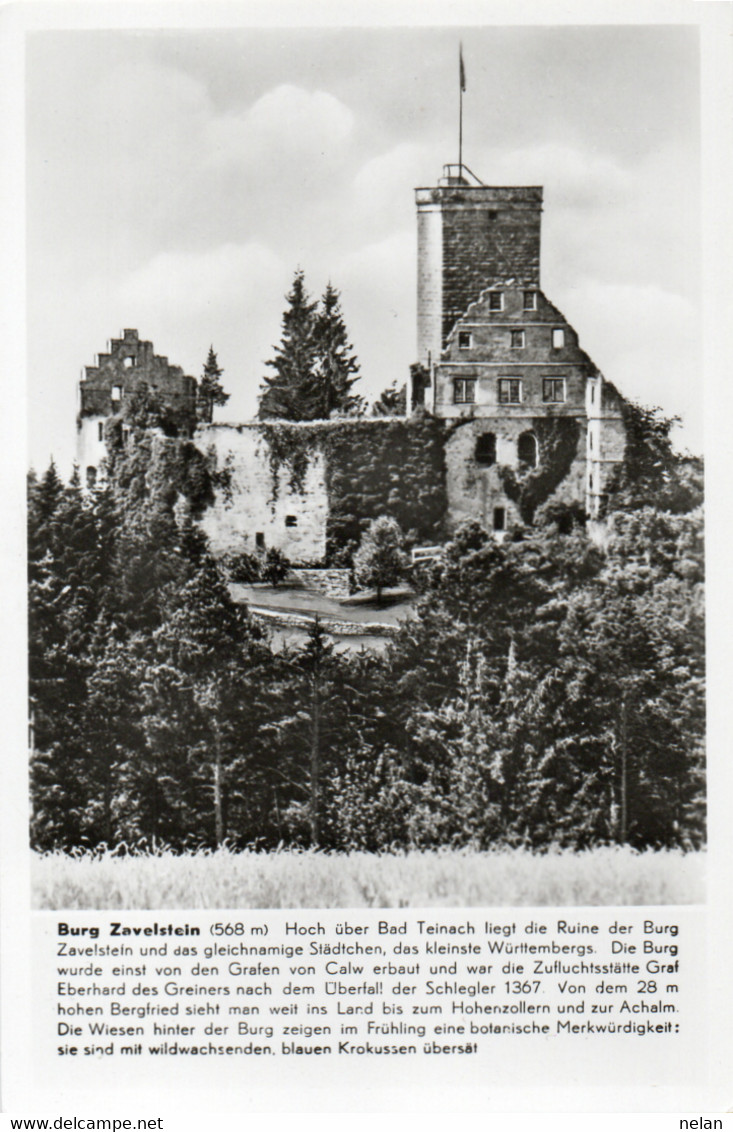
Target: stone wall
x=475 y=491
x=263 y=505
x=470 y=238
x=334 y=582
x=490 y=236
x=129 y=363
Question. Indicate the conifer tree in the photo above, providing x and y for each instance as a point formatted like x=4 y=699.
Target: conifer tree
x=315 y=366
x=210 y=390
x=287 y=394
x=337 y=369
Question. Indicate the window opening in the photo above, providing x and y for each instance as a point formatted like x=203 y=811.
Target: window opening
x=553 y=389
x=465 y=339
x=530 y=300
x=464 y=390
x=558 y=339
x=291 y=521
x=128 y=363
x=486 y=449
x=496 y=300
x=517 y=340
x=91 y=477
x=527 y=449
x=510 y=390
x=116 y=392
x=260 y=540
x=499 y=518
x=100 y=430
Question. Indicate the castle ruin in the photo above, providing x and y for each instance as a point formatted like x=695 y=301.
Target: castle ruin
x=507 y=412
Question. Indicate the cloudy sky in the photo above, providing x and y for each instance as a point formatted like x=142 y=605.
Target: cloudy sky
x=176 y=179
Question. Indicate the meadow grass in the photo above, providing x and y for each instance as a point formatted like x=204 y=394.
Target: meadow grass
x=309 y=879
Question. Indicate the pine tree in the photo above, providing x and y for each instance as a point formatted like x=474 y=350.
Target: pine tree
x=210 y=389
x=288 y=394
x=315 y=367
x=337 y=369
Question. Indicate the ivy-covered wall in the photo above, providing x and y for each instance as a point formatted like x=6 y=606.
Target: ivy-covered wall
x=311 y=489
x=475 y=490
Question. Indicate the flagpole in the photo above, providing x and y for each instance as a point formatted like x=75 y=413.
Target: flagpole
x=460 y=132
x=460 y=113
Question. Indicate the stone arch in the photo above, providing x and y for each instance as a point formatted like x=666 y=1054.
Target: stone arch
x=528 y=450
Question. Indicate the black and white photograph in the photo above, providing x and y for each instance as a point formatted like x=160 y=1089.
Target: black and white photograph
x=365 y=501
x=365 y=563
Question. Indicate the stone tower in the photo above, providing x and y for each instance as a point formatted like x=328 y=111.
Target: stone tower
x=470 y=236
x=503 y=364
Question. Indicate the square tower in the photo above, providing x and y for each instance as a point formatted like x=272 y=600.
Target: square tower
x=470 y=237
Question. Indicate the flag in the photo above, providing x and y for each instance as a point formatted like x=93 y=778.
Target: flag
x=461 y=67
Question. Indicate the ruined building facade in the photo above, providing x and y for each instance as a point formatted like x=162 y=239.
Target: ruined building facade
x=520 y=413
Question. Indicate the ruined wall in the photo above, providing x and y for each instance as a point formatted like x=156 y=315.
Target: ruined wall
x=104 y=388
x=262 y=504
x=311 y=489
x=475 y=490
x=129 y=363
x=512 y=342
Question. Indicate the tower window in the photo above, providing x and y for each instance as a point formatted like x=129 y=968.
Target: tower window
x=558 y=339
x=499 y=518
x=527 y=449
x=260 y=540
x=530 y=300
x=291 y=521
x=517 y=339
x=91 y=477
x=510 y=391
x=465 y=339
x=100 y=430
x=553 y=389
x=464 y=390
x=486 y=449
x=496 y=300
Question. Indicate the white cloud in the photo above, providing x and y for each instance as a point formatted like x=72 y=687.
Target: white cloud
x=571 y=177
x=647 y=342
x=382 y=187
x=195 y=283
x=287 y=124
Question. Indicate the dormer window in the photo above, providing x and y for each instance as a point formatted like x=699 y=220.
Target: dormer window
x=465 y=339
x=496 y=300
x=517 y=339
x=530 y=300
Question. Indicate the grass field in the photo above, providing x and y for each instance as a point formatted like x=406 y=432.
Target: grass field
x=287 y=879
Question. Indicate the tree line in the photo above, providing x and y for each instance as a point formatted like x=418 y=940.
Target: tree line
x=547 y=691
